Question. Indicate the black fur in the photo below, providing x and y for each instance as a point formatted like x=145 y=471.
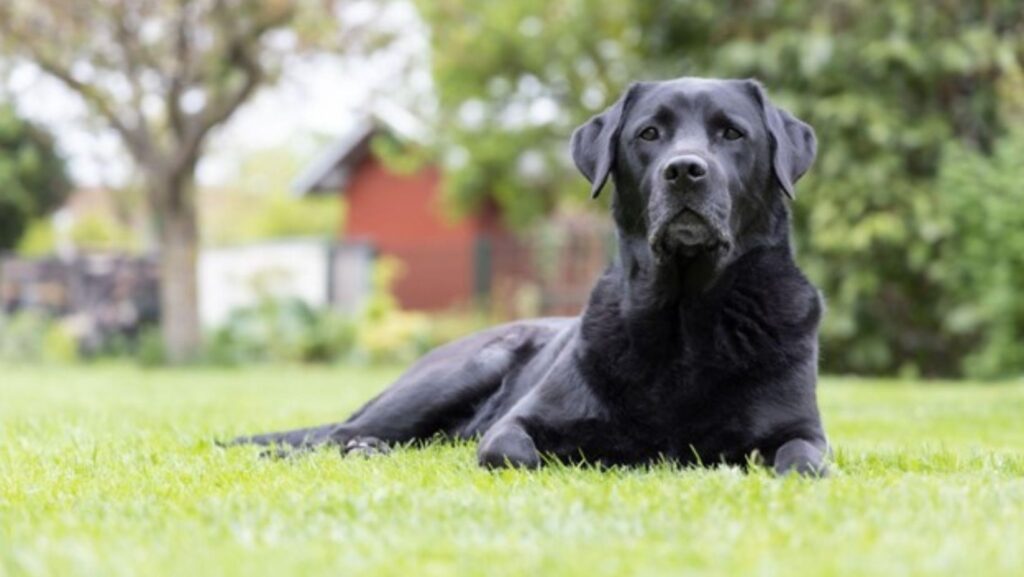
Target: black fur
x=698 y=345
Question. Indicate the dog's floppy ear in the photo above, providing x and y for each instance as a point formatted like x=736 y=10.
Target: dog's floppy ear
x=793 y=143
x=593 y=144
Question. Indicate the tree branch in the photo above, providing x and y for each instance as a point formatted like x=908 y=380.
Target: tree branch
x=182 y=73
x=135 y=137
x=240 y=57
x=136 y=140
x=135 y=61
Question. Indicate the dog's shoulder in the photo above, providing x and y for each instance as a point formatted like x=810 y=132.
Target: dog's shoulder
x=766 y=285
x=763 y=316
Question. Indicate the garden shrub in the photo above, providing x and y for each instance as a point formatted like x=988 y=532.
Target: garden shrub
x=281 y=330
x=291 y=331
x=981 y=262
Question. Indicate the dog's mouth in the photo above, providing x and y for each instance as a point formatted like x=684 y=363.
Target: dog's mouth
x=687 y=234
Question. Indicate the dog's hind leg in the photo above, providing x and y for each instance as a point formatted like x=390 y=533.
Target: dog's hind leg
x=437 y=395
x=444 y=389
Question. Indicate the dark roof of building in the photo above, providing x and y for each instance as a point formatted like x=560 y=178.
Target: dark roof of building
x=331 y=170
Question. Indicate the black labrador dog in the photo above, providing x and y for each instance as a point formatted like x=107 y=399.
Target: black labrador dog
x=698 y=345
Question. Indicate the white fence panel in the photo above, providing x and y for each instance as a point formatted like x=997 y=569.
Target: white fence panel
x=240 y=276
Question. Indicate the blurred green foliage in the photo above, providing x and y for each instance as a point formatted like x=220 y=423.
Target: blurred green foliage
x=278 y=330
x=32 y=176
x=33 y=337
x=241 y=217
x=102 y=233
x=89 y=232
x=257 y=204
x=38 y=239
x=910 y=220
x=981 y=254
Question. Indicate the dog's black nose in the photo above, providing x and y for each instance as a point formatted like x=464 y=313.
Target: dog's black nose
x=686 y=168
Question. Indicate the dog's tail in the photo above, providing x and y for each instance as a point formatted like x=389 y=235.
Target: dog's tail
x=297 y=438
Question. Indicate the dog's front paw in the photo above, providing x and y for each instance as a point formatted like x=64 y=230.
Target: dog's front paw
x=802 y=458
x=508 y=447
x=365 y=447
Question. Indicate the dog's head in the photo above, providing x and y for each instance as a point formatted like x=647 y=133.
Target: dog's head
x=699 y=165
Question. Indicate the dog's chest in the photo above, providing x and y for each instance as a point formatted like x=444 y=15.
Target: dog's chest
x=690 y=411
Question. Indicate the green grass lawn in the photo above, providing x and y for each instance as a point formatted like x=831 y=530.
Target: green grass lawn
x=112 y=471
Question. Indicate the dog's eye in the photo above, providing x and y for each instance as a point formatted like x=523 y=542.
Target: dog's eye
x=649 y=133
x=732 y=134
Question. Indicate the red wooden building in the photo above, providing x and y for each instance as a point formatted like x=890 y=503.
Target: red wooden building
x=446 y=261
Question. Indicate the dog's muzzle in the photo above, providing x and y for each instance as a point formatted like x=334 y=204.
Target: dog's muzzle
x=686 y=235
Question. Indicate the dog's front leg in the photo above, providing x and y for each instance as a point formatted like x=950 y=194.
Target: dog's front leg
x=802 y=456
x=555 y=418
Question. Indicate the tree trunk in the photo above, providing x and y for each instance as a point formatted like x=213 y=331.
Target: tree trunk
x=178 y=232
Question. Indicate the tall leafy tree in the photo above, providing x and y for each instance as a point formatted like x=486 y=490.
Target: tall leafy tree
x=513 y=79
x=33 y=180
x=163 y=75
x=888 y=86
